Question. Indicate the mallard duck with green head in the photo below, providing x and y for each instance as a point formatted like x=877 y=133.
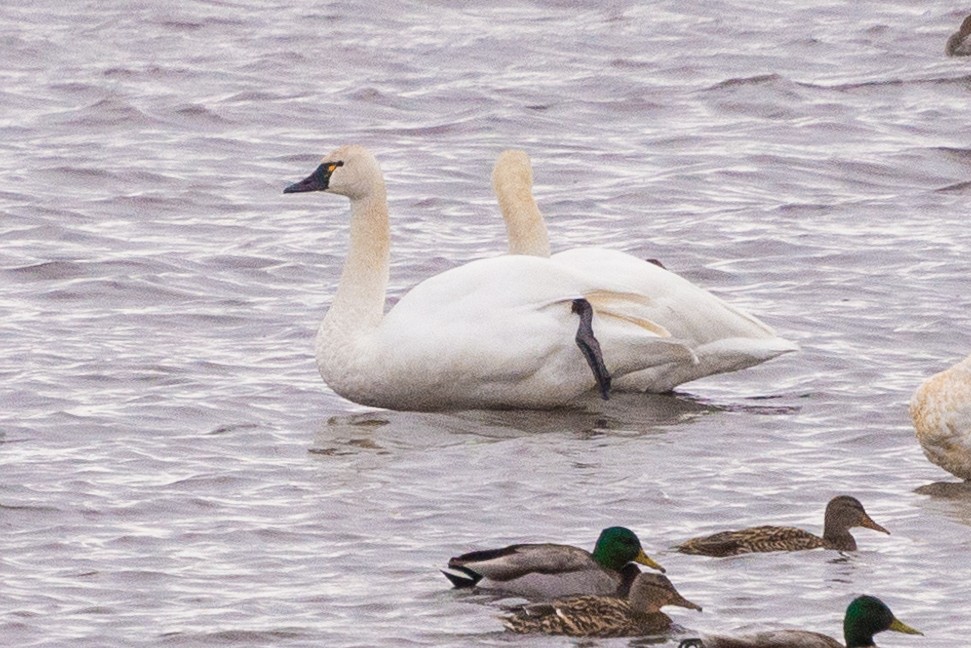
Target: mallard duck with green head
x=842 y=514
x=865 y=617
x=546 y=571
x=604 y=616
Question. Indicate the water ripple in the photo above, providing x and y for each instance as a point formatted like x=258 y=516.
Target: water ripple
x=174 y=470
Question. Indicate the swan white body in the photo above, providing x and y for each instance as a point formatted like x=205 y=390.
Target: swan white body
x=941 y=411
x=494 y=333
x=723 y=338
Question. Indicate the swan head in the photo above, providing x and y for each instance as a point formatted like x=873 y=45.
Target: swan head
x=512 y=169
x=350 y=171
x=512 y=181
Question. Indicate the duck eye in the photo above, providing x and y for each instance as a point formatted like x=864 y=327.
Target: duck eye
x=333 y=165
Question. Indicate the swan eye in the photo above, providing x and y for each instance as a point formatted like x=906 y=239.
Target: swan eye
x=324 y=171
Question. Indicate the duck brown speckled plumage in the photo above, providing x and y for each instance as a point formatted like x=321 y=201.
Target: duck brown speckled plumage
x=603 y=616
x=842 y=513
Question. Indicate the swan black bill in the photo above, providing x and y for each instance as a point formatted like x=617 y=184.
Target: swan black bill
x=590 y=347
x=319 y=180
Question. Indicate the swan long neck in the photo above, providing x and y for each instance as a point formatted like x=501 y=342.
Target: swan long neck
x=524 y=222
x=359 y=302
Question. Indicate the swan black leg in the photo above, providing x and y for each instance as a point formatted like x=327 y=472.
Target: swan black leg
x=590 y=347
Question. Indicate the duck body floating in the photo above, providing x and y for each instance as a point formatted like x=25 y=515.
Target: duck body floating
x=842 y=513
x=544 y=571
x=638 y=614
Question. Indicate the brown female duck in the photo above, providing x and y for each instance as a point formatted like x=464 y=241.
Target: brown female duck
x=842 y=513
x=604 y=616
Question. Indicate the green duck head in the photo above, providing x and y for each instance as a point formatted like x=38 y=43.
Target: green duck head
x=865 y=617
x=618 y=546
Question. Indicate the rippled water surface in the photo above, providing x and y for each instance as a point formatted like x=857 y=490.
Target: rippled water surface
x=174 y=473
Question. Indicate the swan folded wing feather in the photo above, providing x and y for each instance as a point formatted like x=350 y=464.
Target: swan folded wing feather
x=722 y=337
x=623 y=323
x=680 y=303
x=627 y=306
x=719 y=356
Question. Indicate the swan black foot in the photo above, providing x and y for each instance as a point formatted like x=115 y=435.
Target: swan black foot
x=590 y=347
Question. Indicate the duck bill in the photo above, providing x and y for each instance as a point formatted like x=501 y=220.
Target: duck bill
x=646 y=560
x=868 y=523
x=900 y=626
x=685 y=603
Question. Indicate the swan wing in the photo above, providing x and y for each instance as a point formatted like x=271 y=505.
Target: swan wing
x=722 y=337
x=685 y=309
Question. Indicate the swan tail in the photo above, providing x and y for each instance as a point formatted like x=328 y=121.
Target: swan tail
x=741 y=352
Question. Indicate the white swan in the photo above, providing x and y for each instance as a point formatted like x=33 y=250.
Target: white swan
x=941 y=411
x=722 y=337
x=493 y=333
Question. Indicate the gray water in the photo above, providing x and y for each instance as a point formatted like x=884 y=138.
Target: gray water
x=174 y=473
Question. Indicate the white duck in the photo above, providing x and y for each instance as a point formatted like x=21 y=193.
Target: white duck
x=722 y=337
x=494 y=333
x=941 y=411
